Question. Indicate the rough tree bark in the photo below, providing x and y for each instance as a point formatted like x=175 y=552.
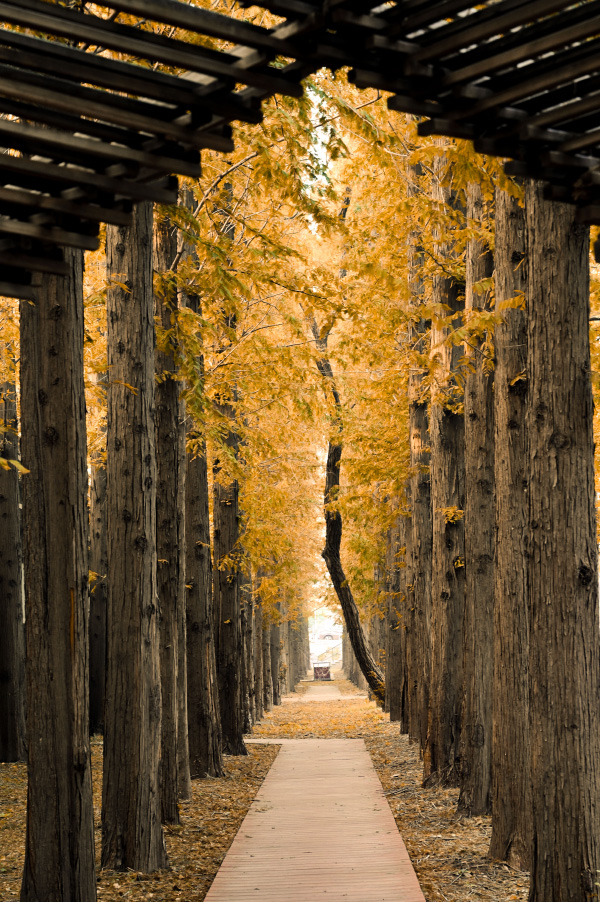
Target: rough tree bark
x=170 y=517
x=511 y=782
x=12 y=638
x=98 y=596
x=275 y=642
x=475 y=750
x=421 y=538
x=228 y=637
x=447 y=501
x=203 y=715
x=247 y=647
x=422 y=544
x=563 y=566
x=412 y=721
x=59 y=845
x=131 y=828
x=267 y=671
x=258 y=659
x=204 y=719
x=395 y=676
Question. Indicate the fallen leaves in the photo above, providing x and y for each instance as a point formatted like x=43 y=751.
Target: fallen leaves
x=196 y=848
x=449 y=853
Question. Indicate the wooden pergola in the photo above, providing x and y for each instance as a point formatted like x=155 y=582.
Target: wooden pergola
x=91 y=123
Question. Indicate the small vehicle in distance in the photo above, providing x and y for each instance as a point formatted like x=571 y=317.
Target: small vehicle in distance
x=332 y=632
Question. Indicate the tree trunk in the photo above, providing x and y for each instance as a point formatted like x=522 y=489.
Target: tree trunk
x=276 y=660
x=258 y=659
x=395 y=677
x=333 y=533
x=247 y=636
x=227 y=605
x=204 y=720
x=132 y=835
x=448 y=572
x=475 y=751
x=12 y=638
x=59 y=844
x=267 y=670
x=421 y=537
x=563 y=571
x=203 y=715
x=170 y=523
x=511 y=781
x=98 y=596
x=413 y=637
x=421 y=543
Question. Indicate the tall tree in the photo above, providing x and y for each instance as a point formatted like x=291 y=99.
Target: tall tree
x=12 y=644
x=333 y=528
x=446 y=428
x=228 y=627
x=170 y=529
x=204 y=720
x=131 y=825
x=267 y=668
x=203 y=714
x=275 y=658
x=248 y=625
x=563 y=568
x=511 y=782
x=59 y=845
x=98 y=595
x=475 y=748
x=258 y=655
x=395 y=674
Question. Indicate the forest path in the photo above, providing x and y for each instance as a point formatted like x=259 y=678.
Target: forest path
x=316 y=691
x=319 y=828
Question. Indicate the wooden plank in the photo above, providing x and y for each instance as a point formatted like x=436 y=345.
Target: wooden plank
x=320 y=827
x=478 y=27
x=29 y=200
x=68 y=23
x=52 y=235
x=16 y=290
x=515 y=39
x=34 y=263
x=73 y=148
x=528 y=49
x=205 y=22
x=550 y=78
x=163 y=191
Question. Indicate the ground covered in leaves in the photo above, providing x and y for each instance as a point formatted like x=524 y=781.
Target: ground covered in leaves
x=196 y=848
x=449 y=853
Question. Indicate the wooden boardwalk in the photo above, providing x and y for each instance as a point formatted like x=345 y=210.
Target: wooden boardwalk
x=320 y=828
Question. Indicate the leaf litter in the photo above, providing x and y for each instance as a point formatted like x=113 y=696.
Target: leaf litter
x=449 y=853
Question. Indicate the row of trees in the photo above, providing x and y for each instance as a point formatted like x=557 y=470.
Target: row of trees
x=231 y=636
x=288 y=330
x=491 y=565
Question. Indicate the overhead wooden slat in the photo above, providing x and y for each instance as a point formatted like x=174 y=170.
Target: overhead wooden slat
x=163 y=191
x=68 y=23
x=521 y=79
x=535 y=47
x=476 y=28
x=73 y=148
x=22 y=292
x=55 y=235
x=34 y=263
x=29 y=200
x=202 y=21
